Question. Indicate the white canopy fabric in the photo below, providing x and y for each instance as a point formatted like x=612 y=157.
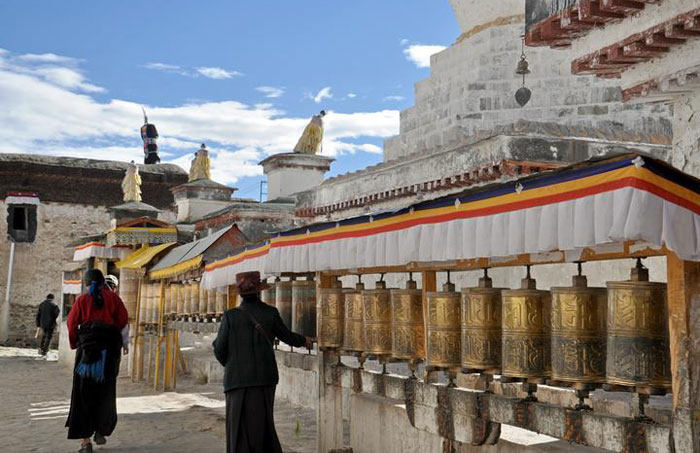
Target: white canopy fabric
x=626 y=198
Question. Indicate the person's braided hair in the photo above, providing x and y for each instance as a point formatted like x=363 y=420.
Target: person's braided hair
x=95 y=280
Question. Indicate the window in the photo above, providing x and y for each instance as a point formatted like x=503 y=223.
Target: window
x=19 y=219
x=21 y=223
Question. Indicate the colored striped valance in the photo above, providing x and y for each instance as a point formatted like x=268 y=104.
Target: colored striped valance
x=625 y=198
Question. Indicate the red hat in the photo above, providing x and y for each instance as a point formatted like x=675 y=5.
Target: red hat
x=249 y=283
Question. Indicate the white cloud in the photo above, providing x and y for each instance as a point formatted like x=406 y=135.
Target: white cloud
x=419 y=54
x=217 y=73
x=325 y=93
x=352 y=95
x=67 y=78
x=271 y=92
x=47 y=58
x=404 y=42
x=44 y=117
x=393 y=98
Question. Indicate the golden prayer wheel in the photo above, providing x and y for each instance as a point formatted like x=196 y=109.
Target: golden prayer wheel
x=179 y=294
x=168 y=300
x=353 y=331
x=269 y=295
x=221 y=302
x=143 y=296
x=194 y=299
x=304 y=307
x=444 y=332
x=331 y=310
x=578 y=332
x=203 y=299
x=283 y=301
x=481 y=327
x=186 y=298
x=376 y=309
x=408 y=331
x=526 y=333
x=129 y=290
x=155 y=304
x=638 y=351
x=211 y=302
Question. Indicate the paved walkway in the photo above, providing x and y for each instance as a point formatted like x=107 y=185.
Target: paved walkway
x=35 y=396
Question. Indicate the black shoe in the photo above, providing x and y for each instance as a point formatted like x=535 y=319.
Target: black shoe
x=100 y=439
x=87 y=448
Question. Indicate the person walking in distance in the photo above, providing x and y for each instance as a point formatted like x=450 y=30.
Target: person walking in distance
x=94 y=328
x=244 y=346
x=46 y=316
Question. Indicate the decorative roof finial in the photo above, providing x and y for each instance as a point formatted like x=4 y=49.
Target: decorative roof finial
x=149 y=135
x=131 y=184
x=311 y=141
x=201 y=164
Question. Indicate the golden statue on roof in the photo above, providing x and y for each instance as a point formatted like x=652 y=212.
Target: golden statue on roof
x=131 y=184
x=311 y=141
x=201 y=164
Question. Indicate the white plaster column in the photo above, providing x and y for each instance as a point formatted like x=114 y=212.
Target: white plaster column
x=291 y=173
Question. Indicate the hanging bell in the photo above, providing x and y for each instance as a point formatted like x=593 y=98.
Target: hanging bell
x=523 y=67
x=522 y=96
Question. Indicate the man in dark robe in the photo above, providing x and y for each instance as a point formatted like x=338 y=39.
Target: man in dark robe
x=46 y=317
x=244 y=346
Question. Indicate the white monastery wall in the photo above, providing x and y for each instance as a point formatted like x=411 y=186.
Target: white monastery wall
x=38 y=266
x=686 y=133
x=472 y=88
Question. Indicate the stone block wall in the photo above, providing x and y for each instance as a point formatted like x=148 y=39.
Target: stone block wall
x=472 y=87
x=38 y=266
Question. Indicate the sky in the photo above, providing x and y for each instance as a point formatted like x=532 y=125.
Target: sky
x=242 y=76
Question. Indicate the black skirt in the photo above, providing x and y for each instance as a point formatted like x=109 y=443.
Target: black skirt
x=93 y=405
x=250 y=424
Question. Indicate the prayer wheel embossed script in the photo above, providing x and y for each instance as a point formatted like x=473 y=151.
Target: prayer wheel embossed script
x=638 y=351
x=283 y=301
x=408 y=331
x=353 y=332
x=169 y=300
x=221 y=302
x=444 y=333
x=128 y=290
x=376 y=308
x=481 y=327
x=304 y=307
x=203 y=298
x=194 y=298
x=526 y=332
x=331 y=310
x=578 y=333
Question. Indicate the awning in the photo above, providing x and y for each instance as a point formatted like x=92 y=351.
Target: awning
x=185 y=257
x=599 y=202
x=141 y=257
x=99 y=250
x=223 y=272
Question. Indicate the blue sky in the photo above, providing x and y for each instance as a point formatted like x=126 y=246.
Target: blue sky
x=241 y=76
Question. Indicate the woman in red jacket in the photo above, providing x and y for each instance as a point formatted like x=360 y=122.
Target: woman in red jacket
x=94 y=326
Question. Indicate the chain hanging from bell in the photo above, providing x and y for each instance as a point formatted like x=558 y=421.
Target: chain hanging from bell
x=522 y=96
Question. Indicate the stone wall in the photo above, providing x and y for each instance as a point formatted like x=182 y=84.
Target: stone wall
x=686 y=134
x=472 y=87
x=38 y=266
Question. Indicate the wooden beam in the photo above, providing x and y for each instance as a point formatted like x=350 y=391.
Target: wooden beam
x=684 y=333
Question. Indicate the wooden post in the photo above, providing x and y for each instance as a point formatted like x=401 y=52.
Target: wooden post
x=134 y=348
x=161 y=305
x=168 y=361
x=429 y=285
x=684 y=330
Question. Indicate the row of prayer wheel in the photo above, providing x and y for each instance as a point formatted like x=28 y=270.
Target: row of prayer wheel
x=296 y=302
x=179 y=299
x=575 y=335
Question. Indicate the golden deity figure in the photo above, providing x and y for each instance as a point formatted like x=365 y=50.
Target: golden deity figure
x=131 y=184
x=311 y=140
x=201 y=164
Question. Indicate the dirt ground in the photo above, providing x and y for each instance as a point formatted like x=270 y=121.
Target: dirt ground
x=34 y=396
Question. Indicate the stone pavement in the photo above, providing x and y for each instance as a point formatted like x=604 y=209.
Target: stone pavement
x=35 y=395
